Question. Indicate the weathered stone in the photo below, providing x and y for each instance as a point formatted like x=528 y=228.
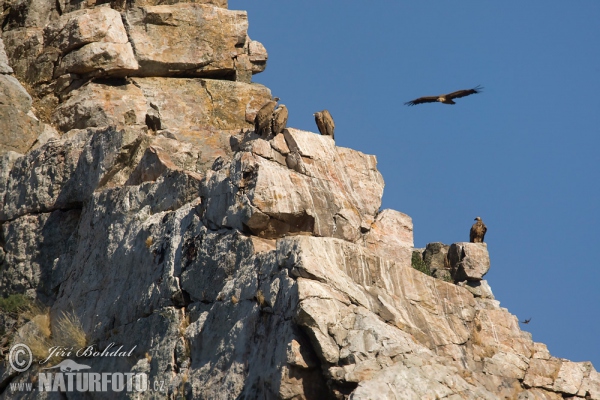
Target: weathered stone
x=425 y=382
x=18 y=130
x=56 y=176
x=243 y=267
x=25 y=51
x=157 y=34
x=111 y=103
x=48 y=134
x=540 y=350
x=113 y=59
x=32 y=245
x=200 y=104
x=539 y=394
x=77 y=29
x=7 y=160
x=333 y=197
x=496 y=330
x=542 y=373
x=569 y=378
x=391 y=236
x=4 y=64
x=278 y=143
x=257 y=55
x=143 y=3
x=468 y=261
x=591 y=384
x=478 y=288
x=506 y=364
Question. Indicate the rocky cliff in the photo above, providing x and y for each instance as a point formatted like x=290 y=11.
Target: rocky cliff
x=137 y=198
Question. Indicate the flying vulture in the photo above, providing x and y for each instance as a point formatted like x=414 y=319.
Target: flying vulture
x=264 y=118
x=445 y=98
x=325 y=123
x=478 y=231
x=527 y=321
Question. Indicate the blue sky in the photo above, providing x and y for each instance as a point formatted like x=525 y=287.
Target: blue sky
x=523 y=155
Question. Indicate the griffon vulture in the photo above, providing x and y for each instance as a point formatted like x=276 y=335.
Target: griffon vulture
x=478 y=231
x=444 y=98
x=280 y=117
x=325 y=123
x=264 y=118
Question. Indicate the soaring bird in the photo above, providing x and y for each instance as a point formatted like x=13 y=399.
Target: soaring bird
x=264 y=116
x=478 y=231
x=325 y=123
x=445 y=98
x=280 y=117
x=527 y=321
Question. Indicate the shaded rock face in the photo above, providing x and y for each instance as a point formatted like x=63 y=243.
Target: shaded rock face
x=238 y=267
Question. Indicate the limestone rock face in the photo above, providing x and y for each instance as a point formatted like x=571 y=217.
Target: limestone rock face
x=19 y=126
x=258 y=193
x=181 y=105
x=231 y=266
x=391 y=236
x=219 y=38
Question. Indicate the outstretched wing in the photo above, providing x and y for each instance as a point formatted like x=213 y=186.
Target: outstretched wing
x=421 y=100
x=462 y=93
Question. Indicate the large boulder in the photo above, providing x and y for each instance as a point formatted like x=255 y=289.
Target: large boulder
x=468 y=261
x=192 y=40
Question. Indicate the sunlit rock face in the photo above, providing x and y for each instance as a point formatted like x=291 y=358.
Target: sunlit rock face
x=135 y=194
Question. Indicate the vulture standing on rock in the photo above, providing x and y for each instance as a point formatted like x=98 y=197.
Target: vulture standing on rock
x=478 y=231
x=280 y=117
x=264 y=118
x=444 y=98
x=325 y=123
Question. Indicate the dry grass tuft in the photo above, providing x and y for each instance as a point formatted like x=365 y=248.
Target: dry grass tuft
x=69 y=331
x=41 y=335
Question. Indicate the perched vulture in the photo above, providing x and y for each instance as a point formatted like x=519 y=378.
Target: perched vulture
x=264 y=118
x=325 y=123
x=444 y=98
x=478 y=231
x=280 y=117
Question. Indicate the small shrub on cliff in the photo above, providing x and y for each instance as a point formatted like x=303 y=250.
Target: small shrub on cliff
x=418 y=263
x=15 y=303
